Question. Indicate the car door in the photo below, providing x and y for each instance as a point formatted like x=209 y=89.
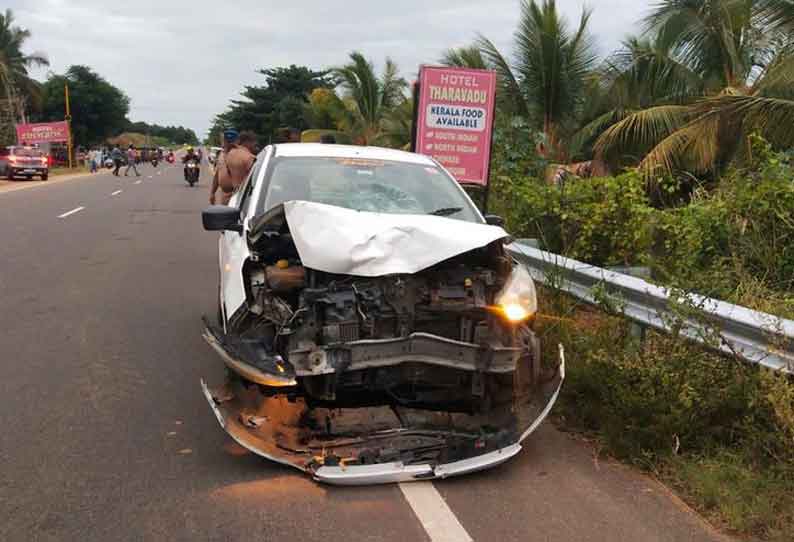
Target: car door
x=233 y=247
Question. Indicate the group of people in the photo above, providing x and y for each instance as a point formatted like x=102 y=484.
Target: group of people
x=232 y=165
x=96 y=158
x=119 y=158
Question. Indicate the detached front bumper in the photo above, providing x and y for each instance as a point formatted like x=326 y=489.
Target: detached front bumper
x=403 y=444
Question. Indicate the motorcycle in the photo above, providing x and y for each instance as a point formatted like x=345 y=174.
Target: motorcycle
x=154 y=161
x=192 y=171
x=170 y=158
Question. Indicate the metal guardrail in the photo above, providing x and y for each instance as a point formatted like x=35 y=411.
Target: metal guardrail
x=751 y=335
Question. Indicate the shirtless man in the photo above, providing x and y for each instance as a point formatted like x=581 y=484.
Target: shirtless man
x=231 y=169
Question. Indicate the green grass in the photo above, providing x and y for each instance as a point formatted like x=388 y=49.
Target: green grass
x=736 y=495
x=60 y=170
x=717 y=430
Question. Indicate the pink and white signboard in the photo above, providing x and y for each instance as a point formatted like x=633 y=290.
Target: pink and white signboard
x=455 y=120
x=46 y=132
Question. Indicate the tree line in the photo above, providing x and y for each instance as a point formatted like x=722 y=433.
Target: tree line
x=99 y=109
x=680 y=97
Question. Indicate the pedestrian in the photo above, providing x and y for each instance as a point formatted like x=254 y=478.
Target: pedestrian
x=232 y=167
x=94 y=158
x=248 y=140
x=131 y=158
x=117 y=157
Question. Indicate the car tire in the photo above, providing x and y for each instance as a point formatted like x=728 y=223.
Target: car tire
x=45 y=176
x=10 y=174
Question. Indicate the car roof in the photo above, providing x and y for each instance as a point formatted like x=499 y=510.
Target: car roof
x=324 y=150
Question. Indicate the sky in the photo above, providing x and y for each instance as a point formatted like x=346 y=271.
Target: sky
x=180 y=61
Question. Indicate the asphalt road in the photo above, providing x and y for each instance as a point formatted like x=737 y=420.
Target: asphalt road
x=105 y=434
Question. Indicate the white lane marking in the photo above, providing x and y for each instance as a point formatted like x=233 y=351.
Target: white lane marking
x=73 y=211
x=117 y=192
x=138 y=182
x=433 y=513
x=149 y=177
x=159 y=172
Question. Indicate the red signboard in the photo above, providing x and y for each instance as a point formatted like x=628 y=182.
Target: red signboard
x=46 y=132
x=455 y=120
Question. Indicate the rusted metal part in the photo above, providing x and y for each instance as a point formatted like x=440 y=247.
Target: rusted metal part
x=379 y=444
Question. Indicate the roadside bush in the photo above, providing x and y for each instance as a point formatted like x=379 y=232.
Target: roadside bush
x=602 y=221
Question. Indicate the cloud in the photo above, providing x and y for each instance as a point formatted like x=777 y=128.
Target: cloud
x=182 y=61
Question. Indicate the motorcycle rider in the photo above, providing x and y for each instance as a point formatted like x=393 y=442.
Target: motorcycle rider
x=190 y=155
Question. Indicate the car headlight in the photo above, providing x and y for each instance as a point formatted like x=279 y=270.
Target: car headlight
x=518 y=300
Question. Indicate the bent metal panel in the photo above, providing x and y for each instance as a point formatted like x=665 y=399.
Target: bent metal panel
x=455 y=120
x=45 y=132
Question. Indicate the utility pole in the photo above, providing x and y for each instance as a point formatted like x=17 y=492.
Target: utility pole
x=68 y=120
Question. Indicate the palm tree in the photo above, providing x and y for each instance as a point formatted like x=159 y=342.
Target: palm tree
x=16 y=86
x=368 y=97
x=464 y=57
x=547 y=81
x=731 y=65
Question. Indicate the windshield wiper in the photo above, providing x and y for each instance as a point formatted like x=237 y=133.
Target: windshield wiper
x=446 y=211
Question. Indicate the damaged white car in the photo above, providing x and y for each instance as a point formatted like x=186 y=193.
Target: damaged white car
x=373 y=327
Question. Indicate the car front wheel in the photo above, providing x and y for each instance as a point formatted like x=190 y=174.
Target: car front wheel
x=45 y=176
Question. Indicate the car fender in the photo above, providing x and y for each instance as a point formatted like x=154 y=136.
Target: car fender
x=233 y=255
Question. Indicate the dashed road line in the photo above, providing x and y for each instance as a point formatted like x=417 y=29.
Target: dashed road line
x=433 y=513
x=138 y=182
x=70 y=213
x=117 y=192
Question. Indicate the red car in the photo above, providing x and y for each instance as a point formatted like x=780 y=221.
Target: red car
x=26 y=162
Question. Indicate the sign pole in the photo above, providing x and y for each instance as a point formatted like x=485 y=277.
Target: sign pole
x=417 y=98
x=68 y=120
x=490 y=160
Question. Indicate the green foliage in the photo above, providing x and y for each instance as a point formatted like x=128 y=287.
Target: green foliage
x=279 y=103
x=372 y=101
x=602 y=221
x=18 y=91
x=99 y=109
x=170 y=134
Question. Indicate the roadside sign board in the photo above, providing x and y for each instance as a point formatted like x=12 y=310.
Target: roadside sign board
x=45 y=132
x=455 y=117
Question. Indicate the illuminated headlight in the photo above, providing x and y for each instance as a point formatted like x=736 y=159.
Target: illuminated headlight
x=518 y=300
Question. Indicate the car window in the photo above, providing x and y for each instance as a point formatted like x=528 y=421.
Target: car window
x=367 y=185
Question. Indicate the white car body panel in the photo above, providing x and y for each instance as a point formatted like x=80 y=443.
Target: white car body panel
x=364 y=244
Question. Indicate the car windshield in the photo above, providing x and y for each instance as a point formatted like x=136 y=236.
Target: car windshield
x=367 y=185
x=22 y=151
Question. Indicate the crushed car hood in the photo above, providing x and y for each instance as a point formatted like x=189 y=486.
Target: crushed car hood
x=348 y=242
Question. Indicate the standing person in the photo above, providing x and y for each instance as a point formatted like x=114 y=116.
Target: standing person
x=117 y=157
x=94 y=158
x=248 y=140
x=131 y=158
x=232 y=167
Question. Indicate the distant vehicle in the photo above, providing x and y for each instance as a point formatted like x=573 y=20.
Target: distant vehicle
x=192 y=171
x=18 y=161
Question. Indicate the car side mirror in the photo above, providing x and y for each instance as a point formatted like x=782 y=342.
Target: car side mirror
x=494 y=220
x=222 y=218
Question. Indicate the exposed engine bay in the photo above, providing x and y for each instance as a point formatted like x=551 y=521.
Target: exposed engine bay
x=328 y=372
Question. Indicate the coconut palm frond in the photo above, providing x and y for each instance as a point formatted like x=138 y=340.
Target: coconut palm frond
x=772 y=118
x=509 y=90
x=392 y=85
x=695 y=147
x=777 y=14
x=641 y=130
x=464 y=57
